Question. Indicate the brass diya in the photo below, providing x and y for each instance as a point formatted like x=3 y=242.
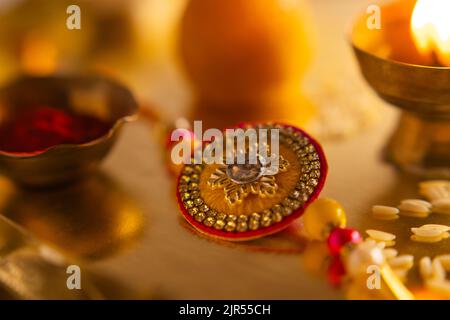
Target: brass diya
x=393 y=67
x=93 y=96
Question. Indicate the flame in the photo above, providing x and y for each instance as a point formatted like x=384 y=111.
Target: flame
x=430 y=26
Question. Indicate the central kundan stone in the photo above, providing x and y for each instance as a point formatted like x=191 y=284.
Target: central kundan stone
x=244 y=173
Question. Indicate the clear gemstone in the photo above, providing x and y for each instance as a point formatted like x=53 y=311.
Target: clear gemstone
x=244 y=173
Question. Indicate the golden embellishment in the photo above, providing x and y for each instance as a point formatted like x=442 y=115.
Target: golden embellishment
x=194 y=204
x=235 y=192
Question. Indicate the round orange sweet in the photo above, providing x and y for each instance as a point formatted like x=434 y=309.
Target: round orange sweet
x=243 y=48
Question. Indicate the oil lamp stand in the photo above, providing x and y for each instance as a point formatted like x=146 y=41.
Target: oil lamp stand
x=421 y=144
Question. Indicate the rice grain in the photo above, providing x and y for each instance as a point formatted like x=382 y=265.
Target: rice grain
x=426 y=239
x=385 y=210
x=440 y=286
x=425 y=268
x=402 y=262
x=438 y=270
x=380 y=235
x=427 y=233
x=418 y=202
x=414 y=208
x=441 y=206
x=390 y=253
x=440 y=227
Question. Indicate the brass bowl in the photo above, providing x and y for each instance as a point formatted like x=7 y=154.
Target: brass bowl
x=399 y=75
x=94 y=96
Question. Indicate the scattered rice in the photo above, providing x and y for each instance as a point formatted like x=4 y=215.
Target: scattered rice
x=434 y=274
x=430 y=233
x=390 y=253
x=414 y=215
x=382 y=244
x=414 y=207
x=402 y=262
x=435 y=194
x=384 y=210
x=402 y=274
x=444 y=261
x=428 y=239
x=438 y=270
x=371 y=242
x=434 y=183
x=440 y=211
x=434 y=190
x=443 y=203
x=386 y=217
x=441 y=206
x=418 y=201
x=440 y=227
x=425 y=268
x=389 y=243
x=426 y=233
x=380 y=235
x=440 y=286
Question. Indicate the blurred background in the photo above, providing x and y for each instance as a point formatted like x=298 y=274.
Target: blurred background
x=220 y=61
x=188 y=59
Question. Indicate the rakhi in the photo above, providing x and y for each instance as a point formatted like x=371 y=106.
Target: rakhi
x=241 y=202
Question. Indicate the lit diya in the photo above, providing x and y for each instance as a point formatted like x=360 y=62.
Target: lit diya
x=243 y=201
x=407 y=62
x=56 y=129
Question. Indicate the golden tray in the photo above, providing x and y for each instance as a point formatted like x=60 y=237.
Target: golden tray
x=123 y=227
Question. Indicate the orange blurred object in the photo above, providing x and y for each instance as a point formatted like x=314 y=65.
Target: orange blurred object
x=244 y=48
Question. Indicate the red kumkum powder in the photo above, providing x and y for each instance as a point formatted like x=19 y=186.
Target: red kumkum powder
x=37 y=129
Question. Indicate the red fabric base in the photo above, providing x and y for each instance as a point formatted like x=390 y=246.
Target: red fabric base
x=253 y=234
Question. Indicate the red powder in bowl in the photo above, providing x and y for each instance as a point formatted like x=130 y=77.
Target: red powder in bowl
x=37 y=129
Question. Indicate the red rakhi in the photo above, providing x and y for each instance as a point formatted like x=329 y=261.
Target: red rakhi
x=239 y=202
